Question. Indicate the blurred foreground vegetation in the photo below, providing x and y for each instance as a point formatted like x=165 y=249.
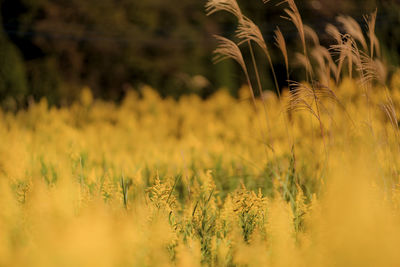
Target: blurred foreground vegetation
x=182 y=183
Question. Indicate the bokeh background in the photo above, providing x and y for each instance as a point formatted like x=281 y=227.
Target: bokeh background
x=54 y=48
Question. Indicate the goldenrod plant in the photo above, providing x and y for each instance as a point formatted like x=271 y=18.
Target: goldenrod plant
x=306 y=177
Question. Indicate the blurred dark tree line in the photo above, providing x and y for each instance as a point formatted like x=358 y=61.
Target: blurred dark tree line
x=53 y=48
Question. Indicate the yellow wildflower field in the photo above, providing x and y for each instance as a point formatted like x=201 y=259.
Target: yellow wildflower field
x=190 y=182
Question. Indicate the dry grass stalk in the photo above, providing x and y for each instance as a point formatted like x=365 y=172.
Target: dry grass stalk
x=295 y=18
x=248 y=31
x=281 y=44
x=352 y=27
x=373 y=70
x=349 y=50
x=390 y=111
x=228 y=49
x=309 y=32
x=304 y=97
x=230 y=6
x=334 y=32
x=370 y=20
x=314 y=93
x=301 y=98
x=323 y=70
x=305 y=62
x=325 y=63
x=322 y=56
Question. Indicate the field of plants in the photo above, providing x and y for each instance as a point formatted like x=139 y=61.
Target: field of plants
x=308 y=176
x=158 y=182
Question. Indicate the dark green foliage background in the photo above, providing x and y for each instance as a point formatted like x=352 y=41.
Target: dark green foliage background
x=52 y=48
